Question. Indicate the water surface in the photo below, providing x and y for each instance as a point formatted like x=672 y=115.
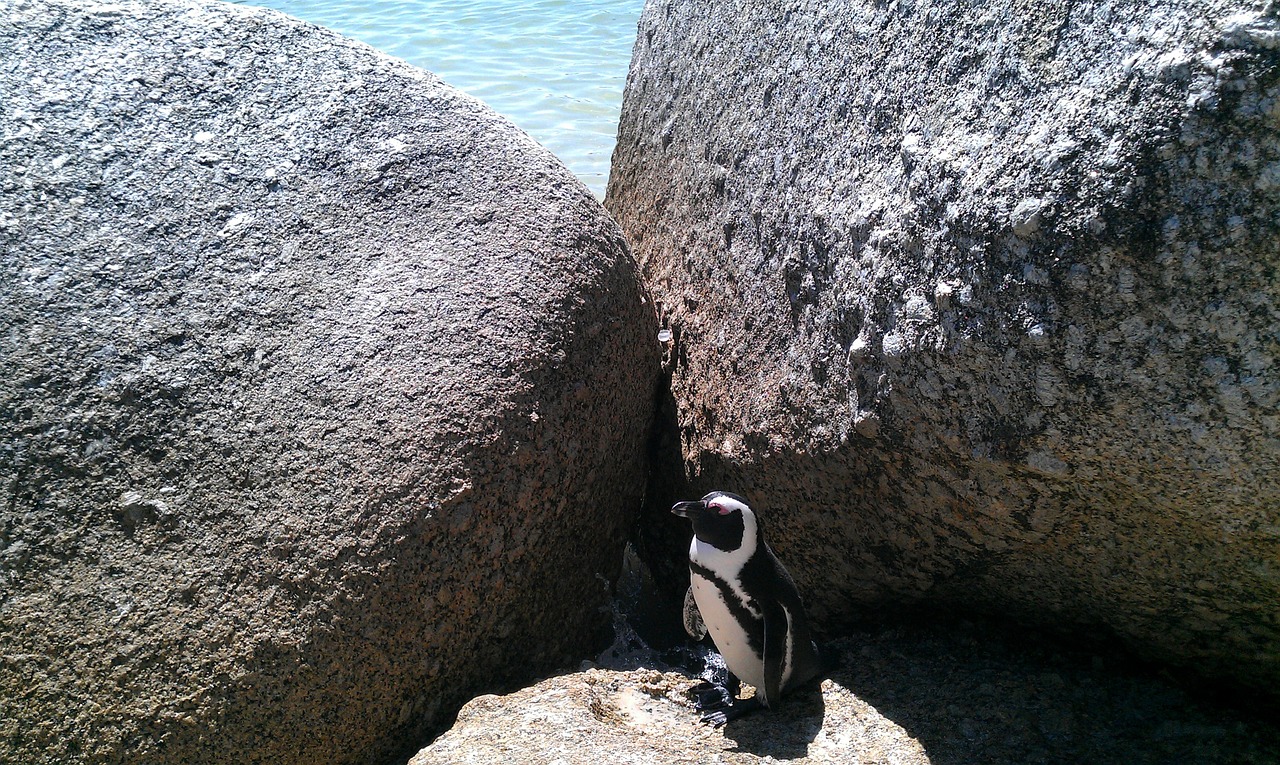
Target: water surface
x=555 y=68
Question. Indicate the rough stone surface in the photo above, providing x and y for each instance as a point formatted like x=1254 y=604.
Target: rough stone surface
x=903 y=695
x=320 y=385
x=977 y=302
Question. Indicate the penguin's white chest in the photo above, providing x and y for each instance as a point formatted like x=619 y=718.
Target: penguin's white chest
x=727 y=632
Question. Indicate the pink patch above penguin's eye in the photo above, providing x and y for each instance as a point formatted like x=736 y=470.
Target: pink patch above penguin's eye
x=721 y=509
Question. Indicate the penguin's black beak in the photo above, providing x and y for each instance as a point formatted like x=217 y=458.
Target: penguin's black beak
x=687 y=509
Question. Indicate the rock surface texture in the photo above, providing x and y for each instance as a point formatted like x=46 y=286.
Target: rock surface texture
x=978 y=303
x=899 y=697
x=313 y=375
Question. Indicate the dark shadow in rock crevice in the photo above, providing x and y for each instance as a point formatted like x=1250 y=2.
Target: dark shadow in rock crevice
x=660 y=538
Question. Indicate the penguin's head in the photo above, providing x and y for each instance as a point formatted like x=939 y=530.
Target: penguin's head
x=720 y=519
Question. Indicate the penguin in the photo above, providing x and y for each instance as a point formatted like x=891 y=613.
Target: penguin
x=742 y=595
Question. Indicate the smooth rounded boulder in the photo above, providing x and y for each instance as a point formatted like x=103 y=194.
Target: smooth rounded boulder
x=977 y=304
x=323 y=393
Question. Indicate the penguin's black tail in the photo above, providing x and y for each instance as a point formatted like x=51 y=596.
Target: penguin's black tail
x=814 y=672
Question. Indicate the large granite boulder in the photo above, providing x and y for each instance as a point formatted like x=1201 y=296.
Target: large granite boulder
x=323 y=393
x=978 y=303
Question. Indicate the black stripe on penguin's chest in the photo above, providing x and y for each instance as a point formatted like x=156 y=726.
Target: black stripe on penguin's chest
x=756 y=582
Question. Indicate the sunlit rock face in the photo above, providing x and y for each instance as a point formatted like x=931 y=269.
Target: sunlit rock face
x=977 y=303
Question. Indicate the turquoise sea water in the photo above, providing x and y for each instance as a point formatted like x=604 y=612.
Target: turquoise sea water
x=556 y=68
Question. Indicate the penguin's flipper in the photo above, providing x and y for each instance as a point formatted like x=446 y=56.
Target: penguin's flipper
x=776 y=624
x=693 y=623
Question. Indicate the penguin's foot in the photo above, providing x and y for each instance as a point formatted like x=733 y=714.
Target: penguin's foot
x=718 y=717
x=709 y=696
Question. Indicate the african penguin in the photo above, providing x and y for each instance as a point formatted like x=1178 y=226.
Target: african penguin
x=749 y=604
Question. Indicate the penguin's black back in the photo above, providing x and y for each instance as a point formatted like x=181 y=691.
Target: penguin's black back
x=764 y=577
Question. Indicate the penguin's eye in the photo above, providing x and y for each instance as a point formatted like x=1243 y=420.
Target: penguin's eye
x=721 y=509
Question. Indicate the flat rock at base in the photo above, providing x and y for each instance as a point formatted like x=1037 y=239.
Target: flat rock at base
x=906 y=697
x=641 y=716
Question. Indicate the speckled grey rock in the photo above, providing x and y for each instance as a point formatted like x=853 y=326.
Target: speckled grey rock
x=978 y=303
x=320 y=386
